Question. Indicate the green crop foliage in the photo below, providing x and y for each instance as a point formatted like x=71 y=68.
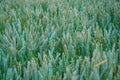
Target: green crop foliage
x=60 y=40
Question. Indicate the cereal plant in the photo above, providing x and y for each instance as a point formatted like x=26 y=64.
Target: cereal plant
x=60 y=40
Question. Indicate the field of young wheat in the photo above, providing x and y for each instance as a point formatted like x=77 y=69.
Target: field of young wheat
x=60 y=40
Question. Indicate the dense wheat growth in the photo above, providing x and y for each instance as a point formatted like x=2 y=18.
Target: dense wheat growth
x=60 y=40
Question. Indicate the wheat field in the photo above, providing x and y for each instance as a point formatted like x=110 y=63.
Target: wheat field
x=60 y=40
